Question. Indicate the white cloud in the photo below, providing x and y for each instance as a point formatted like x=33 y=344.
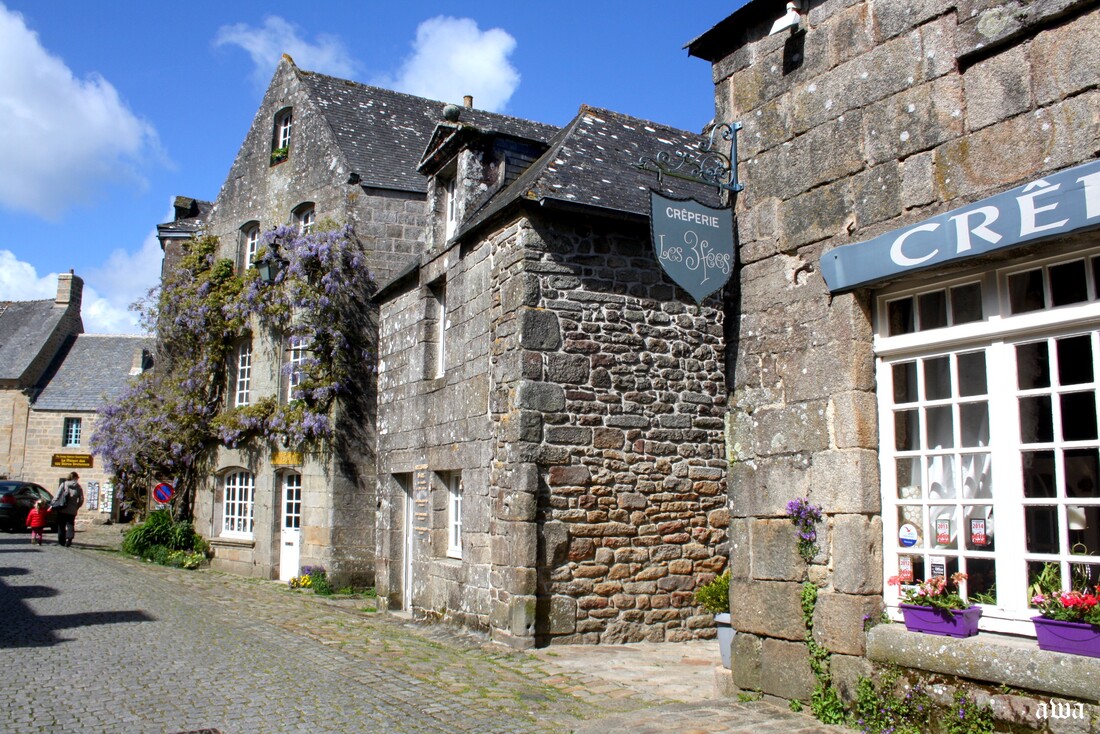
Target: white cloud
x=452 y=58
x=276 y=37
x=63 y=137
x=108 y=290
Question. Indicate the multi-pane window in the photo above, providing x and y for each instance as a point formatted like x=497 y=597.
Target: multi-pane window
x=292 y=501
x=454 y=514
x=70 y=435
x=243 y=381
x=298 y=350
x=304 y=218
x=239 y=495
x=990 y=446
x=280 y=139
x=250 y=240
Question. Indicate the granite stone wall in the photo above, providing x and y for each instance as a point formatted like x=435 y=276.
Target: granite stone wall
x=879 y=115
x=613 y=409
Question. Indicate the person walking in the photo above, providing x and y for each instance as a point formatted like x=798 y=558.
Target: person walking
x=69 y=499
x=36 y=520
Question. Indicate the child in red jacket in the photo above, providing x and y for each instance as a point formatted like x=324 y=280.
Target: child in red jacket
x=36 y=520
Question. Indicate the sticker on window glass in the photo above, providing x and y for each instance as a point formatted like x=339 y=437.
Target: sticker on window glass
x=905 y=570
x=943 y=532
x=977 y=532
x=908 y=535
x=938 y=566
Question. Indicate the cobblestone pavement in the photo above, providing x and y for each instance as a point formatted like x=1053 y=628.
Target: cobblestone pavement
x=91 y=641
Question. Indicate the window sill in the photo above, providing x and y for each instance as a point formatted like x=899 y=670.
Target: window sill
x=992 y=658
x=229 y=542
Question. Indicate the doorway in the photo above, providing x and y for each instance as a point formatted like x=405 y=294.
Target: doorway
x=407 y=541
x=291 y=531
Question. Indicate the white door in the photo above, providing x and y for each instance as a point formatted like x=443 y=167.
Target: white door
x=407 y=565
x=290 y=536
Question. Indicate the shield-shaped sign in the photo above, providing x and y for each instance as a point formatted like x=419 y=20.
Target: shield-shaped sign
x=693 y=243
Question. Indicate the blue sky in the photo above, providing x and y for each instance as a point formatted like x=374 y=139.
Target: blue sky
x=109 y=110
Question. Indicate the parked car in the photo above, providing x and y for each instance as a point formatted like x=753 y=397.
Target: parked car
x=16 y=500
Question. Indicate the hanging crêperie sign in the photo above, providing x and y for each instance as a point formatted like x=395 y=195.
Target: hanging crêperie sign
x=693 y=241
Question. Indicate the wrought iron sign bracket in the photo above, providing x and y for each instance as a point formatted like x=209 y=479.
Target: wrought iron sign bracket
x=706 y=166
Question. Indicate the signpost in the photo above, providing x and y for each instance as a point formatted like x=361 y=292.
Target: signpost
x=163 y=492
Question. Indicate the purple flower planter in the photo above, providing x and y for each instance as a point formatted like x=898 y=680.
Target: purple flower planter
x=1076 y=638
x=947 y=622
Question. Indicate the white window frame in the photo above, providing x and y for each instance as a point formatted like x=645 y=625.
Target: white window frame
x=251 y=236
x=299 y=348
x=284 y=124
x=439 y=295
x=998 y=335
x=292 y=500
x=238 y=504
x=305 y=217
x=454 y=513
x=450 y=205
x=70 y=434
x=243 y=377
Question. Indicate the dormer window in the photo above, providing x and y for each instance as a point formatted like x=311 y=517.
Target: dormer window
x=280 y=139
x=250 y=245
x=304 y=218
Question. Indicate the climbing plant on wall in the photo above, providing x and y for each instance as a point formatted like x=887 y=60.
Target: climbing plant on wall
x=170 y=422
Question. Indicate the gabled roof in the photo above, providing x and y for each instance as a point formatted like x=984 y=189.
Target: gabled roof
x=25 y=329
x=382 y=134
x=590 y=163
x=90 y=371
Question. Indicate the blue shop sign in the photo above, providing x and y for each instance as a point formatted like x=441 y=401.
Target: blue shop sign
x=1054 y=205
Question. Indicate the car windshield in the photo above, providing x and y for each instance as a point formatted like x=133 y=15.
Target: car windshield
x=6 y=487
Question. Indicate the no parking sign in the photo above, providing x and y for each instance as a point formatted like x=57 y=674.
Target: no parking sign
x=163 y=492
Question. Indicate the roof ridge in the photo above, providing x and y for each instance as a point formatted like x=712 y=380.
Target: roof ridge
x=407 y=95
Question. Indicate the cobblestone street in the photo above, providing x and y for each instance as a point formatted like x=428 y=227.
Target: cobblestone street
x=95 y=642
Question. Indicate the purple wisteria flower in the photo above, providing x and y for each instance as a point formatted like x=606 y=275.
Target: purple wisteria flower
x=805 y=516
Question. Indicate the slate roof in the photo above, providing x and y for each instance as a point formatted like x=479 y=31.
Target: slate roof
x=25 y=328
x=591 y=163
x=383 y=133
x=90 y=371
x=185 y=226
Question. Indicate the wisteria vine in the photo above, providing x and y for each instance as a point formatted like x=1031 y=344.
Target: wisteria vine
x=170 y=422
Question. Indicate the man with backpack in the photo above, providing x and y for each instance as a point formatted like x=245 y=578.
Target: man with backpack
x=69 y=499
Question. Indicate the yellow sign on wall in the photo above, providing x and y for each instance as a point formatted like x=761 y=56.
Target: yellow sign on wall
x=286 y=458
x=72 y=461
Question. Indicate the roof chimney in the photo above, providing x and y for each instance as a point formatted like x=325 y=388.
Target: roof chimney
x=141 y=361
x=70 y=288
x=468 y=101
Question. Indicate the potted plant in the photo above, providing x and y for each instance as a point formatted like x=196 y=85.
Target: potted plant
x=715 y=598
x=931 y=607
x=1068 y=621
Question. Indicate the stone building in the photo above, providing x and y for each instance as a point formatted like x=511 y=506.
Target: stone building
x=319 y=150
x=917 y=329
x=88 y=372
x=55 y=380
x=550 y=431
x=32 y=333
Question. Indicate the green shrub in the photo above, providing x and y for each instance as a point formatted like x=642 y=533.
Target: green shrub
x=162 y=540
x=715 y=596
